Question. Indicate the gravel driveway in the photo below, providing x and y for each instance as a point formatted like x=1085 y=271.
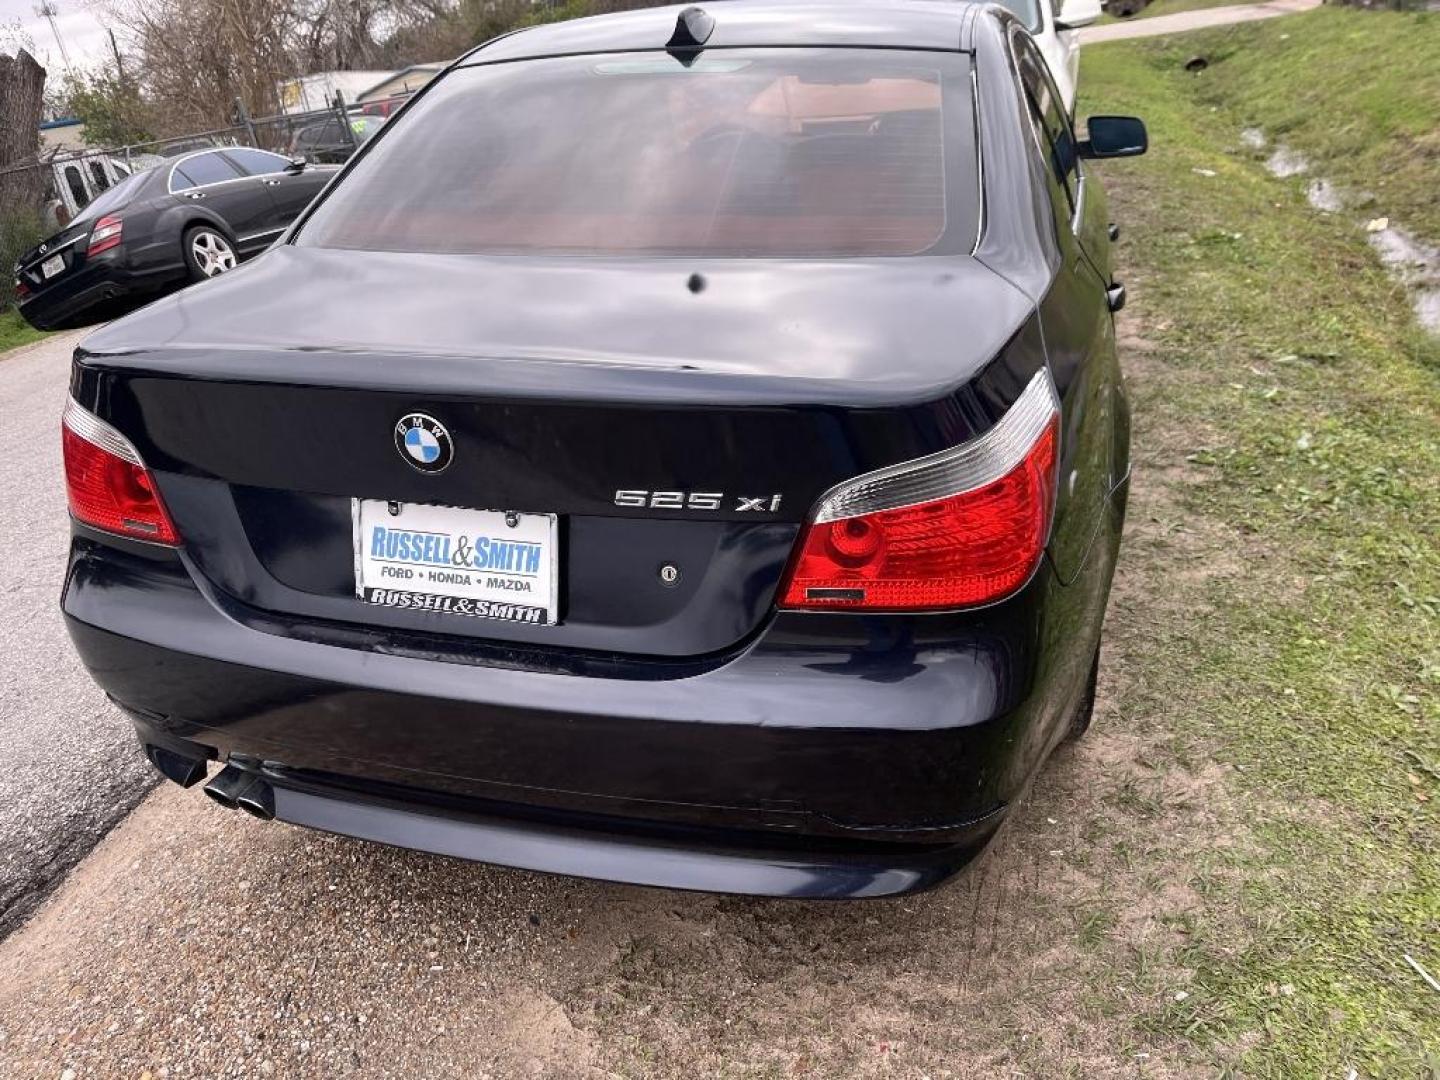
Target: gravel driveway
x=71 y=768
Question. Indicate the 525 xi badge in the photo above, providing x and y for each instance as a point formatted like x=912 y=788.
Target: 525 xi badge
x=696 y=500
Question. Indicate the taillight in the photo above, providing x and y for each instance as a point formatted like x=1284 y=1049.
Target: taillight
x=960 y=528
x=22 y=290
x=107 y=483
x=105 y=235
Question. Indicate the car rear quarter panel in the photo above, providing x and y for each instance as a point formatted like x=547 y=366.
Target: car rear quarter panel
x=1024 y=242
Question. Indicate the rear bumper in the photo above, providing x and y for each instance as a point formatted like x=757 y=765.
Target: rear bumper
x=831 y=756
x=696 y=857
x=53 y=310
x=92 y=285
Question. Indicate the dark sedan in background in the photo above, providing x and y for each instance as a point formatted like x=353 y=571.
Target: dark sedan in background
x=179 y=222
x=332 y=142
x=680 y=448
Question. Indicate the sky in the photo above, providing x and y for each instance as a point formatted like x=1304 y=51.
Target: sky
x=81 y=24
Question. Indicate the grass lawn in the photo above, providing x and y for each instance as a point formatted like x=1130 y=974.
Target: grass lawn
x=1357 y=94
x=15 y=331
x=1287 y=413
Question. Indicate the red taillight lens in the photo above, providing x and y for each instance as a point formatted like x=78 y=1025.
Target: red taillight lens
x=958 y=529
x=21 y=289
x=107 y=483
x=105 y=235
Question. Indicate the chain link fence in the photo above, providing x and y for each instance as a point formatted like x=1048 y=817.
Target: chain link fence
x=329 y=135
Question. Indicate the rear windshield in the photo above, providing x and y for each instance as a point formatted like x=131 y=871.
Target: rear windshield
x=117 y=196
x=769 y=152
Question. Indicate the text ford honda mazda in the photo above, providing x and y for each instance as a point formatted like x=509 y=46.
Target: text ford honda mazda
x=682 y=448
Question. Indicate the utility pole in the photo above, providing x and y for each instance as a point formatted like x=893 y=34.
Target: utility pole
x=119 y=63
x=46 y=8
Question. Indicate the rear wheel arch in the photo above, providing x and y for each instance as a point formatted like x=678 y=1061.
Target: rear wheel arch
x=209 y=221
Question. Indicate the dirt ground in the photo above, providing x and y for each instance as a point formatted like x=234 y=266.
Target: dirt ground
x=195 y=942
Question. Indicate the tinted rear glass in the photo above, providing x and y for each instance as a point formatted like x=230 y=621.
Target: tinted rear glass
x=113 y=199
x=781 y=152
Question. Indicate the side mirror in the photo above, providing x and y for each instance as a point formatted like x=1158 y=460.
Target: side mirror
x=1077 y=13
x=1114 y=136
x=296 y=166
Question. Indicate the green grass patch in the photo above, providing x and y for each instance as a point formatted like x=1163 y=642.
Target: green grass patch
x=1289 y=384
x=15 y=331
x=1357 y=92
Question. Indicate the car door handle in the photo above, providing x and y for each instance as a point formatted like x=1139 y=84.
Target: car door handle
x=195 y=195
x=272 y=183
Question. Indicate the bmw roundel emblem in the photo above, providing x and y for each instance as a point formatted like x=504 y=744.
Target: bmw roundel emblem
x=423 y=442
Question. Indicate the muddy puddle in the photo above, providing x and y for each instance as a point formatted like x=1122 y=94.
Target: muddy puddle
x=1285 y=162
x=1417 y=265
x=1323 y=195
x=1410 y=260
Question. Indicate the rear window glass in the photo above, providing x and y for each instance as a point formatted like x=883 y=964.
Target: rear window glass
x=116 y=197
x=780 y=152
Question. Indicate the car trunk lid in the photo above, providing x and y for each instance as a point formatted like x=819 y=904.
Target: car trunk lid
x=663 y=425
x=68 y=246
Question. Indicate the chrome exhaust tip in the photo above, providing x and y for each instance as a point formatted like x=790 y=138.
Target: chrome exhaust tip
x=181 y=768
x=257 y=800
x=225 y=789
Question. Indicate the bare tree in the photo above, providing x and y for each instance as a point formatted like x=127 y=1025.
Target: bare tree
x=22 y=181
x=13 y=37
x=347 y=34
x=195 y=57
x=22 y=97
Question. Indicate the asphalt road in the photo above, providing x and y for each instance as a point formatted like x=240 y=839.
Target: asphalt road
x=71 y=765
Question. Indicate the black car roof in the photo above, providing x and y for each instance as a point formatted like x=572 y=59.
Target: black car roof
x=897 y=24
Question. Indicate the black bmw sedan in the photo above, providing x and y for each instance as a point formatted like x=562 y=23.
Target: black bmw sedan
x=184 y=221
x=684 y=448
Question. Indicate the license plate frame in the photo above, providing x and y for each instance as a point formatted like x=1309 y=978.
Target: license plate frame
x=54 y=266
x=417 y=562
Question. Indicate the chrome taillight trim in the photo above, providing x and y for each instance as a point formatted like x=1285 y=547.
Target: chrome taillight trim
x=982 y=460
x=82 y=422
